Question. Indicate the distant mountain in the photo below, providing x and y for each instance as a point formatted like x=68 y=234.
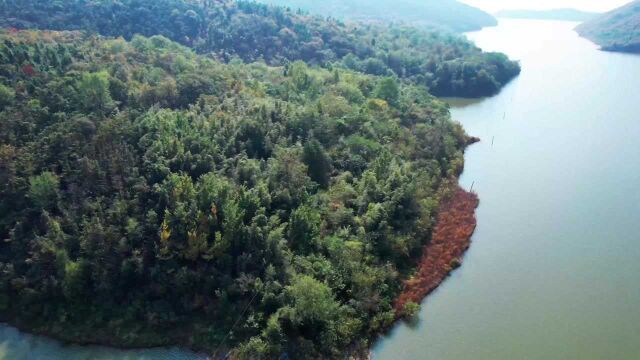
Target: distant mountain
x=447 y=14
x=617 y=30
x=553 y=14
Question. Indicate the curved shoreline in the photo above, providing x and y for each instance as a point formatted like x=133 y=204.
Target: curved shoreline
x=443 y=254
x=97 y=340
x=451 y=237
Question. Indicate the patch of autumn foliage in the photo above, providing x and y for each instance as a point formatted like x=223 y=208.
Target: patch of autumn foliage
x=450 y=239
x=29 y=70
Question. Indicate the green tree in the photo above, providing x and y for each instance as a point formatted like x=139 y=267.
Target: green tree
x=304 y=229
x=43 y=190
x=317 y=161
x=7 y=95
x=288 y=179
x=93 y=91
x=75 y=283
x=388 y=90
x=375 y=66
x=256 y=348
x=298 y=71
x=410 y=310
x=313 y=301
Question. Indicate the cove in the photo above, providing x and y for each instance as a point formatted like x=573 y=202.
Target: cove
x=554 y=266
x=16 y=345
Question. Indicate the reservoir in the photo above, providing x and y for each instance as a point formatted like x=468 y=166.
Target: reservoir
x=554 y=268
x=553 y=271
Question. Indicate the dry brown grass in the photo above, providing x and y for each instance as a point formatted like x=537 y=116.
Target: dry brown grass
x=451 y=238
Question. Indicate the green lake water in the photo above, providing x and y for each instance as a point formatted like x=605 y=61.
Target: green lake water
x=15 y=345
x=554 y=268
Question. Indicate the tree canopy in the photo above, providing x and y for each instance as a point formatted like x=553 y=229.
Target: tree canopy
x=617 y=30
x=153 y=196
x=449 y=15
x=449 y=65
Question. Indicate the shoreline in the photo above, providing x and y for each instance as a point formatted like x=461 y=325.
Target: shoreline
x=450 y=240
x=96 y=341
x=456 y=223
x=451 y=237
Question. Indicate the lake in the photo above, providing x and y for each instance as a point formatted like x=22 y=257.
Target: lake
x=554 y=268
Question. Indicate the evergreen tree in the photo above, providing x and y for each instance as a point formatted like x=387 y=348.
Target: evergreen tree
x=318 y=162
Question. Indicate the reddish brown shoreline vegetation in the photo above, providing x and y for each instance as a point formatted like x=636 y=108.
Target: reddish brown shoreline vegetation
x=451 y=238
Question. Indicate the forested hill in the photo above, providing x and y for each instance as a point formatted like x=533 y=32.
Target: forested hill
x=553 y=14
x=445 y=14
x=152 y=196
x=448 y=65
x=618 y=30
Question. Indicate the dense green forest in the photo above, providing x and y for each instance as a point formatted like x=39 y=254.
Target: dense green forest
x=153 y=196
x=617 y=30
x=447 y=64
x=444 y=14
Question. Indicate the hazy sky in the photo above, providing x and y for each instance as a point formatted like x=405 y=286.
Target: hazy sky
x=589 y=5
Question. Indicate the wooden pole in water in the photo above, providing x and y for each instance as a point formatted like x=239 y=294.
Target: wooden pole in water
x=492 y=140
x=471 y=189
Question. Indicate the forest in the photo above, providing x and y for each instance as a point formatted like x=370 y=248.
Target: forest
x=617 y=30
x=449 y=15
x=154 y=196
x=447 y=64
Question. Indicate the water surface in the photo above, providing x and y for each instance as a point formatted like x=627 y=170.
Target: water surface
x=554 y=268
x=15 y=345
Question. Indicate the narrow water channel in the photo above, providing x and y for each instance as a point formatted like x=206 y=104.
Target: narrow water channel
x=554 y=268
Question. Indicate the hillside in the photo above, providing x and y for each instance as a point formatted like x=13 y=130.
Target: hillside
x=554 y=14
x=448 y=65
x=445 y=14
x=618 y=30
x=152 y=196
